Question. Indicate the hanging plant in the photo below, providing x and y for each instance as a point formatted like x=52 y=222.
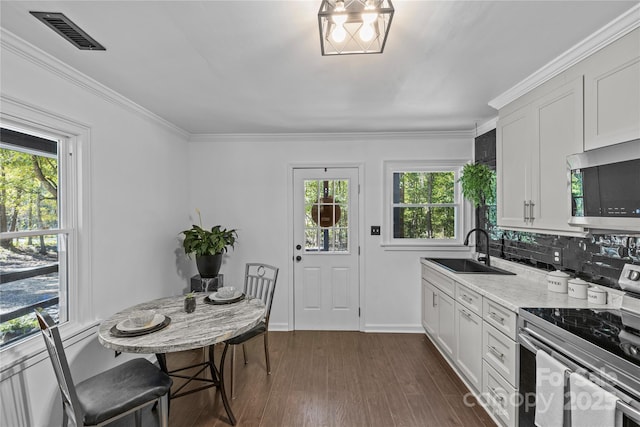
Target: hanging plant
x=478 y=183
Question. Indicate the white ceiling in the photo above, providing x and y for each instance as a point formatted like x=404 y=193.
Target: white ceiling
x=255 y=66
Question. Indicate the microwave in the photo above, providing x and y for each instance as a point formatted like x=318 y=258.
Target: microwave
x=605 y=188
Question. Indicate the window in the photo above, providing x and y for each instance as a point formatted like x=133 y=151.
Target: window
x=326 y=215
x=33 y=259
x=423 y=204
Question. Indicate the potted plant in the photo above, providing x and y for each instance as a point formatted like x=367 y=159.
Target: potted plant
x=208 y=246
x=477 y=184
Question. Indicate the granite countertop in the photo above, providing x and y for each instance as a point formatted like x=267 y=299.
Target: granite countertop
x=528 y=288
x=207 y=325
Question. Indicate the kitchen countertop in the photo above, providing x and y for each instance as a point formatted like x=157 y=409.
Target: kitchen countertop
x=528 y=288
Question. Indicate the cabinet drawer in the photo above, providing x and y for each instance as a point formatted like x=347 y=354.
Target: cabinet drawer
x=470 y=299
x=499 y=396
x=501 y=318
x=499 y=351
x=439 y=280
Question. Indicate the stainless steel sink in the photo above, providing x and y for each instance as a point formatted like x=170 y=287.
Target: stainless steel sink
x=468 y=266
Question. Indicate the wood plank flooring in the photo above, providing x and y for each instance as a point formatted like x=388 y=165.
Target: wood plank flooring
x=322 y=378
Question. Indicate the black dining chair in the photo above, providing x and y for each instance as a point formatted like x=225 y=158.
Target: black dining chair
x=259 y=282
x=109 y=395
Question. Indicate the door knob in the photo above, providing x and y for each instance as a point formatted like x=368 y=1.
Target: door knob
x=298 y=258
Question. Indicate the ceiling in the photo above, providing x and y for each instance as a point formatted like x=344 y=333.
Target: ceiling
x=255 y=66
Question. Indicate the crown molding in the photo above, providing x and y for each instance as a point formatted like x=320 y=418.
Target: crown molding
x=26 y=50
x=487 y=126
x=624 y=24
x=346 y=136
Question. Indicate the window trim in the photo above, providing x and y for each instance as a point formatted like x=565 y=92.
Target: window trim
x=75 y=145
x=463 y=217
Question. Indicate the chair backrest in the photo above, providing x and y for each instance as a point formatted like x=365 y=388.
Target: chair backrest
x=260 y=282
x=52 y=339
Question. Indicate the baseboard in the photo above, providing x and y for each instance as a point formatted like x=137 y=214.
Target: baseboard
x=391 y=328
x=279 y=327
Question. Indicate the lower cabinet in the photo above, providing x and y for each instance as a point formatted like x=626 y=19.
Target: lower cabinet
x=478 y=337
x=468 y=333
x=499 y=396
x=446 y=324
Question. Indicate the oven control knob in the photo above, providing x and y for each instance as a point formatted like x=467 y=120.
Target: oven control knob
x=634 y=275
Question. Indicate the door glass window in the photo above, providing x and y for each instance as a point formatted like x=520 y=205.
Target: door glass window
x=326 y=215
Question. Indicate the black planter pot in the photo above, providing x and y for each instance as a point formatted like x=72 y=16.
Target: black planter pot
x=209 y=265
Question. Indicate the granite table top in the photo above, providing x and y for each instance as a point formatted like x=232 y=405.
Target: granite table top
x=207 y=325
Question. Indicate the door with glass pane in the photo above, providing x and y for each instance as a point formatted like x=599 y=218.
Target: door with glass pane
x=326 y=277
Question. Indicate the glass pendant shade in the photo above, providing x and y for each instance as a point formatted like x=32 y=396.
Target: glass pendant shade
x=354 y=26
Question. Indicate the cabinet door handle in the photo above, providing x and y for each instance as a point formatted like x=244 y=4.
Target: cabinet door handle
x=496 y=317
x=531 y=205
x=527 y=218
x=465 y=314
x=465 y=298
x=496 y=352
x=495 y=394
x=433 y=300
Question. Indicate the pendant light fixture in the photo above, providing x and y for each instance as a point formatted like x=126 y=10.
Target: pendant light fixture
x=354 y=26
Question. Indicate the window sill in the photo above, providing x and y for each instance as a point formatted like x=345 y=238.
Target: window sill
x=27 y=353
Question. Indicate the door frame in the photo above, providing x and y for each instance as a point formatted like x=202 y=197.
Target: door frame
x=290 y=232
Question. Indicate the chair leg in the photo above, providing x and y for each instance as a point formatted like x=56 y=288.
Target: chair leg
x=164 y=410
x=233 y=366
x=138 y=418
x=244 y=351
x=266 y=352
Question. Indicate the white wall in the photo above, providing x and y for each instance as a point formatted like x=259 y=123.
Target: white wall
x=139 y=204
x=242 y=182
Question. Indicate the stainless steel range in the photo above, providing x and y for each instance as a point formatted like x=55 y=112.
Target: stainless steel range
x=603 y=345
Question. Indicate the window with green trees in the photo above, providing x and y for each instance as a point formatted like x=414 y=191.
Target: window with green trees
x=423 y=203
x=31 y=236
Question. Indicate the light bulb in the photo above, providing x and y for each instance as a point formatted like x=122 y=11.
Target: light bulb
x=338 y=34
x=368 y=18
x=366 y=32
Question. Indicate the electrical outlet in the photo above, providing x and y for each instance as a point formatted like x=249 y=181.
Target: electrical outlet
x=375 y=230
x=557 y=256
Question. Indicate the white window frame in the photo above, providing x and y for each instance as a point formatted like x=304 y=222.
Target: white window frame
x=463 y=212
x=74 y=204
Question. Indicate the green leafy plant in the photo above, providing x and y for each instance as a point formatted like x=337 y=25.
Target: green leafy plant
x=208 y=242
x=478 y=182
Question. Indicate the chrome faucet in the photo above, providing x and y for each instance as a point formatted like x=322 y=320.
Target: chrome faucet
x=486 y=259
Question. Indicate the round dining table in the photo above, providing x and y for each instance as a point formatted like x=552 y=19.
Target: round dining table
x=210 y=323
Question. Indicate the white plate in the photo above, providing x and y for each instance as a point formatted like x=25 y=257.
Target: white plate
x=127 y=326
x=215 y=297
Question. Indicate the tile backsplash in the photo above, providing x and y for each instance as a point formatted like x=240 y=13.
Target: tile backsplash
x=597 y=258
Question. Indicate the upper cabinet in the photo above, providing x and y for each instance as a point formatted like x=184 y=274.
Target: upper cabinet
x=612 y=93
x=592 y=104
x=532 y=145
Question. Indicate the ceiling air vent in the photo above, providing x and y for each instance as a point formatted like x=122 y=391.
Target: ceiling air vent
x=67 y=29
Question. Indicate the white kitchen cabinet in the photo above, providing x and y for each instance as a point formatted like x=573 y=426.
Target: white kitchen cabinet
x=612 y=93
x=513 y=142
x=429 y=308
x=438 y=311
x=468 y=332
x=446 y=324
x=532 y=145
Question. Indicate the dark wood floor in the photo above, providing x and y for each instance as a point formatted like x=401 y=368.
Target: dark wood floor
x=324 y=378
